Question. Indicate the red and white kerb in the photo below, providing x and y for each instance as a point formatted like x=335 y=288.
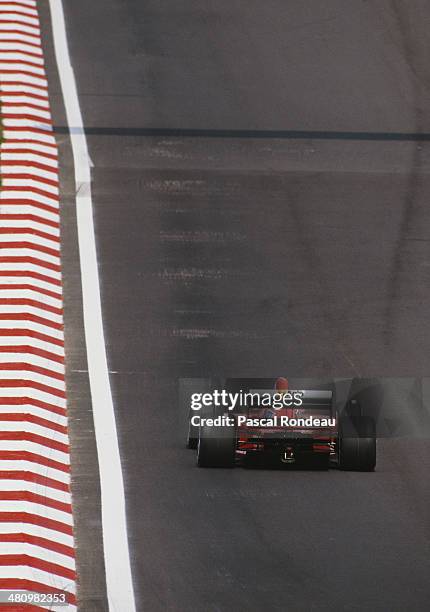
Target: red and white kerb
x=36 y=525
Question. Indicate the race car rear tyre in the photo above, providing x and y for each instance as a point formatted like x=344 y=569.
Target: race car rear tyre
x=216 y=447
x=357 y=443
x=193 y=435
x=199 y=386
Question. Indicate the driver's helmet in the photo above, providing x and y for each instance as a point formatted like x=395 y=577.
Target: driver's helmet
x=281 y=384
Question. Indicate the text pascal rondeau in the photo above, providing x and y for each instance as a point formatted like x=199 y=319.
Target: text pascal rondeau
x=272 y=421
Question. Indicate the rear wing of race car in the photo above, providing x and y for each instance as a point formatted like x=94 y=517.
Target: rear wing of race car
x=312 y=401
x=321 y=401
x=293 y=413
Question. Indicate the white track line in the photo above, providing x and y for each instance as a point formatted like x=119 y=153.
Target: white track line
x=116 y=551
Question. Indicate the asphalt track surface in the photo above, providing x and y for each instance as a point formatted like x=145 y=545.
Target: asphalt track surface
x=254 y=217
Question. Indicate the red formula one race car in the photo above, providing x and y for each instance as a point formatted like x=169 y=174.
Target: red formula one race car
x=280 y=428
